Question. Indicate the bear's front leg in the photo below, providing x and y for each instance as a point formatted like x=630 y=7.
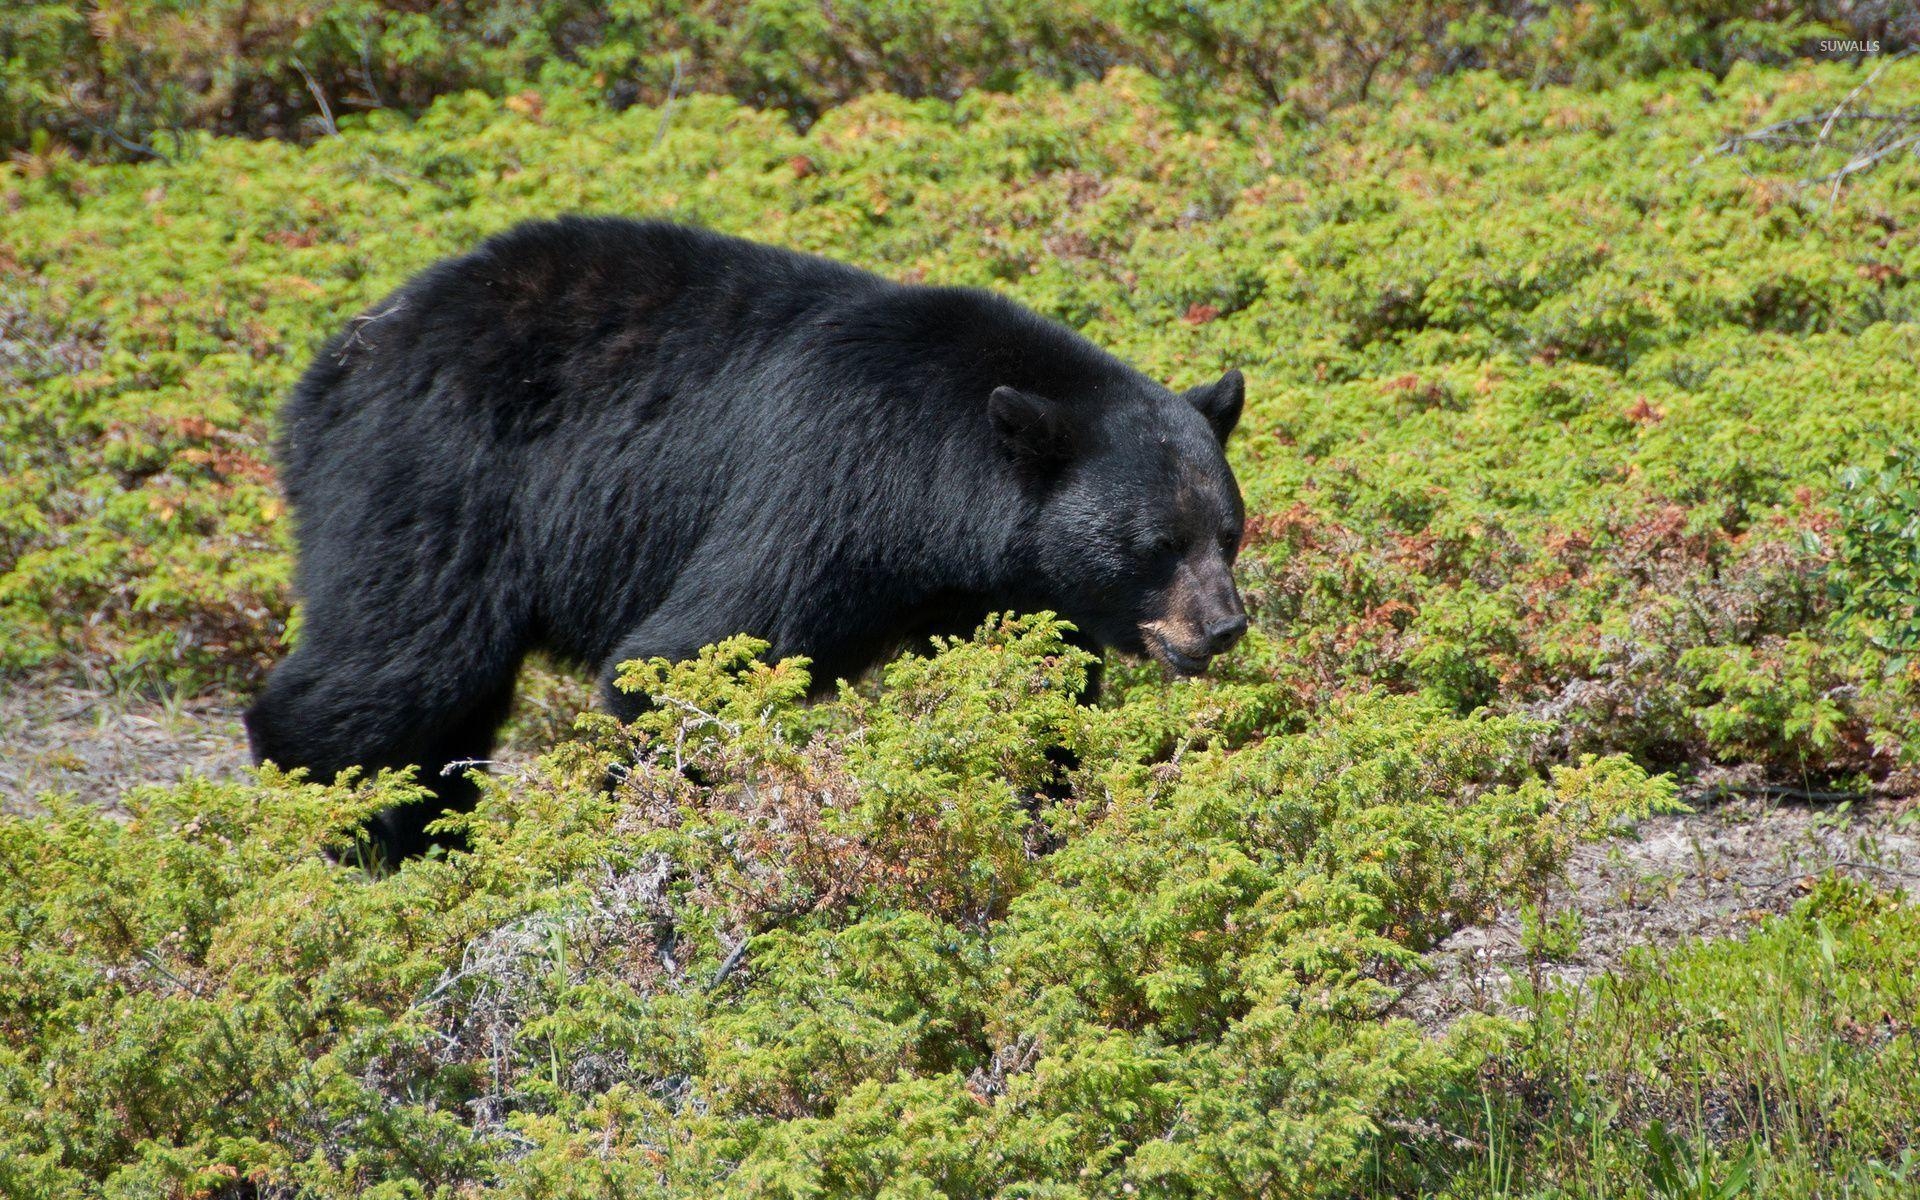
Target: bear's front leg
x=675 y=634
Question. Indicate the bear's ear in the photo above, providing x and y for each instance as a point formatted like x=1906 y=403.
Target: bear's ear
x=1033 y=428
x=1220 y=402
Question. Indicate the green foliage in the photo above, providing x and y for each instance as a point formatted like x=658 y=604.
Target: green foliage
x=130 y=76
x=1877 y=560
x=1535 y=482
x=127 y=76
x=1785 y=1064
x=886 y=946
x=1676 y=1175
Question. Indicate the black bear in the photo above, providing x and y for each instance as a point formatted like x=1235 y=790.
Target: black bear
x=610 y=439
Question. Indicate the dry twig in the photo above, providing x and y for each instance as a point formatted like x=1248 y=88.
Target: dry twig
x=1872 y=135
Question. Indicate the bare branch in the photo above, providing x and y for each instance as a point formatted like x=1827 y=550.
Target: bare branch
x=666 y=109
x=1877 y=135
x=732 y=963
x=319 y=97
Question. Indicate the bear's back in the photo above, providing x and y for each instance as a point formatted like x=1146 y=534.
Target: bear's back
x=564 y=313
x=707 y=352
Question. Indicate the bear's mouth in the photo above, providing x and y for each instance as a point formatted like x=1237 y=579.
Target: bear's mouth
x=1172 y=657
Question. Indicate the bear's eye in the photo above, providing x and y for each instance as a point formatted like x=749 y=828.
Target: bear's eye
x=1165 y=545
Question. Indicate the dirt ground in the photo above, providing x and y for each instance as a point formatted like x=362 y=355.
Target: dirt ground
x=1744 y=854
x=94 y=745
x=1716 y=872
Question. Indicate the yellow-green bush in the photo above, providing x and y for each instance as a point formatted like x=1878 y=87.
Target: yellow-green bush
x=125 y=77
x=1560 y=443
x=881 y=946
x=1789 y=1058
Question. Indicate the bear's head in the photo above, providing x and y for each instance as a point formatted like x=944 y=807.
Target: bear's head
x=1139 y=517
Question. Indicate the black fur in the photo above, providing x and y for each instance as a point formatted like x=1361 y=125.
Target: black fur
x=609 y=440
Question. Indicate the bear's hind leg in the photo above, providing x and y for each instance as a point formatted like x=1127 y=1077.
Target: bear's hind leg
x=337 y=703
x=400 y=832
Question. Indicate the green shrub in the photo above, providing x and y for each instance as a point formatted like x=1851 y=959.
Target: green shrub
x=1787 y=1060
x=1535 y=479
x=1876 y=575
x=126 y=77
x=877 y=946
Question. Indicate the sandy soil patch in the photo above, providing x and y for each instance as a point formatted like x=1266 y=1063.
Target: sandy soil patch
x=1717 y=872
x=94 y=745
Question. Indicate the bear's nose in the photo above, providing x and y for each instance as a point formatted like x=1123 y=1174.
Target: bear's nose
x=1223 y=633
